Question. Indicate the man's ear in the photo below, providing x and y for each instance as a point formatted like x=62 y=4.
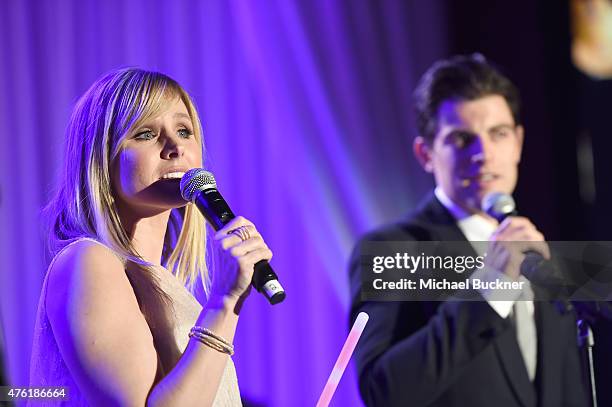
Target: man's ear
x=422 y=152
x=520 y=136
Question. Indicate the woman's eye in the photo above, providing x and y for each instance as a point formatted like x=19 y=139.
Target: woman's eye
x=144 y=135
x=185 y=133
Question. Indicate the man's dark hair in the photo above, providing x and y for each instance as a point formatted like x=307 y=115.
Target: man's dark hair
x=462 y=77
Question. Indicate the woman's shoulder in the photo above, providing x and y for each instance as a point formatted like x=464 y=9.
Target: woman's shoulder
x=85 y=254
x=86 y=268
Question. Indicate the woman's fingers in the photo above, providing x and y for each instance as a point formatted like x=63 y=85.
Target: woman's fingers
x=234 y=224
x=236 y=237
x=247 y=246
x=251 y=258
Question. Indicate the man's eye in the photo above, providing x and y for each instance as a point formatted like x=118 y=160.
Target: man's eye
x=144 y=135
x=185 y=133
x=461 y=139
x=501 y=133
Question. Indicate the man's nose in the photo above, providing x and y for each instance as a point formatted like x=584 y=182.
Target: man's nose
x=482 y=150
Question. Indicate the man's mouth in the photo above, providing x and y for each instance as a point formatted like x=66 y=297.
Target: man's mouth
x=483 y=178
x=486 y=177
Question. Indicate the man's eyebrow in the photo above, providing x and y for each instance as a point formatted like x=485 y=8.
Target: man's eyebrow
x=456 y=130
x=502 y=127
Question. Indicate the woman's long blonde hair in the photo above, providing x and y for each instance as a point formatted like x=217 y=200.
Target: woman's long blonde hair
x=84 y=204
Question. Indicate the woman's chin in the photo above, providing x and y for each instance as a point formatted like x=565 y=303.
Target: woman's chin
x=167 y=193
x=172 y=203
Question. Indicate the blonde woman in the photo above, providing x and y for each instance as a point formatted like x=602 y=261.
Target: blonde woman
x=116 y=323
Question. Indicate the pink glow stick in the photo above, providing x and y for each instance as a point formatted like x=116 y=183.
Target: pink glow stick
x=343 y=359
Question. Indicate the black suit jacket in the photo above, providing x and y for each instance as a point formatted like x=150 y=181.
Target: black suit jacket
x=458 y=353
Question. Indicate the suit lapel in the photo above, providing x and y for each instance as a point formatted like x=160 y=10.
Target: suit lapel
x=438 y=221
x=509 y=354
x=544 y=393
x=548 y=327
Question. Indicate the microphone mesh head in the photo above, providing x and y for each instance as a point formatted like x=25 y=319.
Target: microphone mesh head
x=498 y=204
x=196 y=180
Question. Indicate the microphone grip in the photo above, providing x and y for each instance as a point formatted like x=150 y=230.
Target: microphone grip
x=217 y=212
x=214 y=208
x=266 y=282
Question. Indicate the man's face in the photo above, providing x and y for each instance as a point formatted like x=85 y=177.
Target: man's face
x=476 y=150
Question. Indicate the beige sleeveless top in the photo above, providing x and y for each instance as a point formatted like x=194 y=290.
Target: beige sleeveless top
x=47 y=367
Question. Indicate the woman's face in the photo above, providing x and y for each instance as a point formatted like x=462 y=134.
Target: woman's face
x=152 y=159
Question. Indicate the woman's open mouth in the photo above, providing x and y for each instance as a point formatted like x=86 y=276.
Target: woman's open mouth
x=173 y=175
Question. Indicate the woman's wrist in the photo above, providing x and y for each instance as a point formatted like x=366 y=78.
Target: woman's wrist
x=219 y=315
x=228 y=303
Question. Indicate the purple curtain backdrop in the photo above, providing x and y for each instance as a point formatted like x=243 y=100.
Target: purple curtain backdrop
x=308 y=124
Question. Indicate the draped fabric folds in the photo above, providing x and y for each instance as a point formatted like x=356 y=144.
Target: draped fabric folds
x=306 y=107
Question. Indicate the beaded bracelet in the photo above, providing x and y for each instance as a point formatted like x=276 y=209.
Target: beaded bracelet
x=212 y=340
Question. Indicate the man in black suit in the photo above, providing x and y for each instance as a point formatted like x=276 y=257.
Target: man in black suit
x=517 y=352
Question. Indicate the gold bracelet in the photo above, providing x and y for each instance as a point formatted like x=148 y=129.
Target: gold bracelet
x=212 y=343
x=208 y=332
x=212 y=340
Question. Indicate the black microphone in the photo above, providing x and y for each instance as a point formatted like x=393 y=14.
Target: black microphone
x=541 y=272
x=199 y=186
x=499 y=205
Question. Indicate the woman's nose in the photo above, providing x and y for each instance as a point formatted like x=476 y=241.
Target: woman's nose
x=173 y=148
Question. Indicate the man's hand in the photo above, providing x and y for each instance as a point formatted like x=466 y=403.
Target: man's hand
x=515 y=236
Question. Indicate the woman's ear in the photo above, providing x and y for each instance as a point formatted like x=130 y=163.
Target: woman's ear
x=422 y=152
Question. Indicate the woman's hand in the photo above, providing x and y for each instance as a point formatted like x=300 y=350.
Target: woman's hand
x=242 y=247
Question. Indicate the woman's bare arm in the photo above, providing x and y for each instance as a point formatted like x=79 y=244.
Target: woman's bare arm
x=101 y=333
x=107 y=344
